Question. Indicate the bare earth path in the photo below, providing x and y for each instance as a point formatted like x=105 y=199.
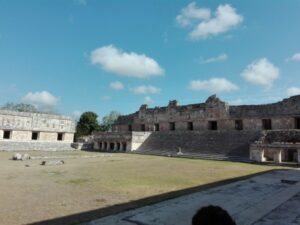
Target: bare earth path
x=37 y=193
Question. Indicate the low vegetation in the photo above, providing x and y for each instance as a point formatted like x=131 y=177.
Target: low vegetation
x=34 y=193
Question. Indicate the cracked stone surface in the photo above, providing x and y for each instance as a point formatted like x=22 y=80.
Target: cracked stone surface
x=260 y=200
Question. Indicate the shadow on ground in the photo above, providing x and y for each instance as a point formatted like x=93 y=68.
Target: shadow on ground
x=102 y=212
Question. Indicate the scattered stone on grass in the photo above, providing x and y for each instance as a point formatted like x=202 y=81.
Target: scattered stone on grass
x=18 y=156
x=52 y=163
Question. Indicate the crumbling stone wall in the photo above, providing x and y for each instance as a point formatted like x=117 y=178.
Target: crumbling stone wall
x=282 y=115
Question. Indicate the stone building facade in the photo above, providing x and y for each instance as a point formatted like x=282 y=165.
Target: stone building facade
x=35 y=131
x=213 y=119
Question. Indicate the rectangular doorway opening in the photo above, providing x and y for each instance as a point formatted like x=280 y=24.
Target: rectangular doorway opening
x=190 y=126
x=212 y=125
x=267 y=124
x=172 y=126
x=7 y=134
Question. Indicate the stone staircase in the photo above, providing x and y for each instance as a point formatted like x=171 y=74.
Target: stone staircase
x=217 y=145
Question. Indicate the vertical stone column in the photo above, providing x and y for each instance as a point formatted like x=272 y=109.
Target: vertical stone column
x=277 y=156
x=298 y=151
x=261 y=155
x=115 y=147
x=96 y=145
x=103 y=145
x=108 y=146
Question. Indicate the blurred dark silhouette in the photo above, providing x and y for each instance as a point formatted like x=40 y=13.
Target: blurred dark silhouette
x=212 y=215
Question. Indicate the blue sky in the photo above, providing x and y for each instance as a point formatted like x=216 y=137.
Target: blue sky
x=79 y=55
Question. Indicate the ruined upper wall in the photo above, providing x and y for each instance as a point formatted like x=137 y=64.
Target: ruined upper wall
x=212 y=109
x=12 y=120
x=286 y=107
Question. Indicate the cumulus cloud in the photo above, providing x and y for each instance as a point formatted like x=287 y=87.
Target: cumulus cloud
x=214 y=85
x=221 y=57
x=261 y=72
x=117 y=85
x=190 y=13
x=204 y=25
x=130 y=64
x=43 y=100
x=148 y=100
x=143 y=89
x=293 y=91
x=295 y=57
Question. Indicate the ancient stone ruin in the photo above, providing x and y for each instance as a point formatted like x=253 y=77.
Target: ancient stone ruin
x=212 y=128
x=35 y=131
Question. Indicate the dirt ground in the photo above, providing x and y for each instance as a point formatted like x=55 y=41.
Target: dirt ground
x=30 y=192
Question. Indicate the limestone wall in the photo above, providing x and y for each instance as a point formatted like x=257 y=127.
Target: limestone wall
x=282 y=115
x=35 y=131
x=10 y=120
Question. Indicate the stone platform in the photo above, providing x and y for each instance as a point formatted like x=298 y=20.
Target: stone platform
x=269 y=199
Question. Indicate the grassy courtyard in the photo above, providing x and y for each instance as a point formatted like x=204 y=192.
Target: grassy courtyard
x=35 y=193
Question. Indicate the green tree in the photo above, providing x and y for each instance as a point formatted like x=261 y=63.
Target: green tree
x=20 y=107
x=109 y=120
x=87 y=124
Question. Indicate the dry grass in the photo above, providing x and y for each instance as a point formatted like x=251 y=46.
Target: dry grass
x=35 y=193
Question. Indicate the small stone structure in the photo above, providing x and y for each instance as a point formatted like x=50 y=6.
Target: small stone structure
x=35 y=131
x=277 y=146
x=212 y=127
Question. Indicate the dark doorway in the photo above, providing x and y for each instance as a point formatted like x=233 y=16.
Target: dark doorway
x=111 y=146
x=238 y=125
x=60 y=136
x=156 y=127
x=105 y=145
x=171 y=126
x=291 y=155
x=190 y=126
x=34 y=135
x=129 y=127
x=267 y=124
x=143 y=127
x=100 y=145
x=118 y=146
x=7 y=134
x=124 y=146
x=297 y=123
x=212 y=125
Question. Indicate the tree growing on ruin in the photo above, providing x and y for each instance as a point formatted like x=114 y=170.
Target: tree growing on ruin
x=87 y=124
x=109 y=120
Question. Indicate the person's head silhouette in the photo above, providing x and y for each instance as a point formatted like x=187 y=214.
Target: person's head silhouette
x=212 y=215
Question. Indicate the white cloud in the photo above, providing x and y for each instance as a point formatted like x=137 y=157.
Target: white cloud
x=295 y=57
x=220 y=57
x=192 y=12
x=214 y=85
x=148 y=100
x=143 y=89
x=204 y=25
x=293 y=91
x=117 y=85
x=130 y=64
x=43 y=100
x=261 y=72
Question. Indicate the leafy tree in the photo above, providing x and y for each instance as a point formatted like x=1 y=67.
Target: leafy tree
x=109 y=120
x=20 y=107
x=87 y=124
